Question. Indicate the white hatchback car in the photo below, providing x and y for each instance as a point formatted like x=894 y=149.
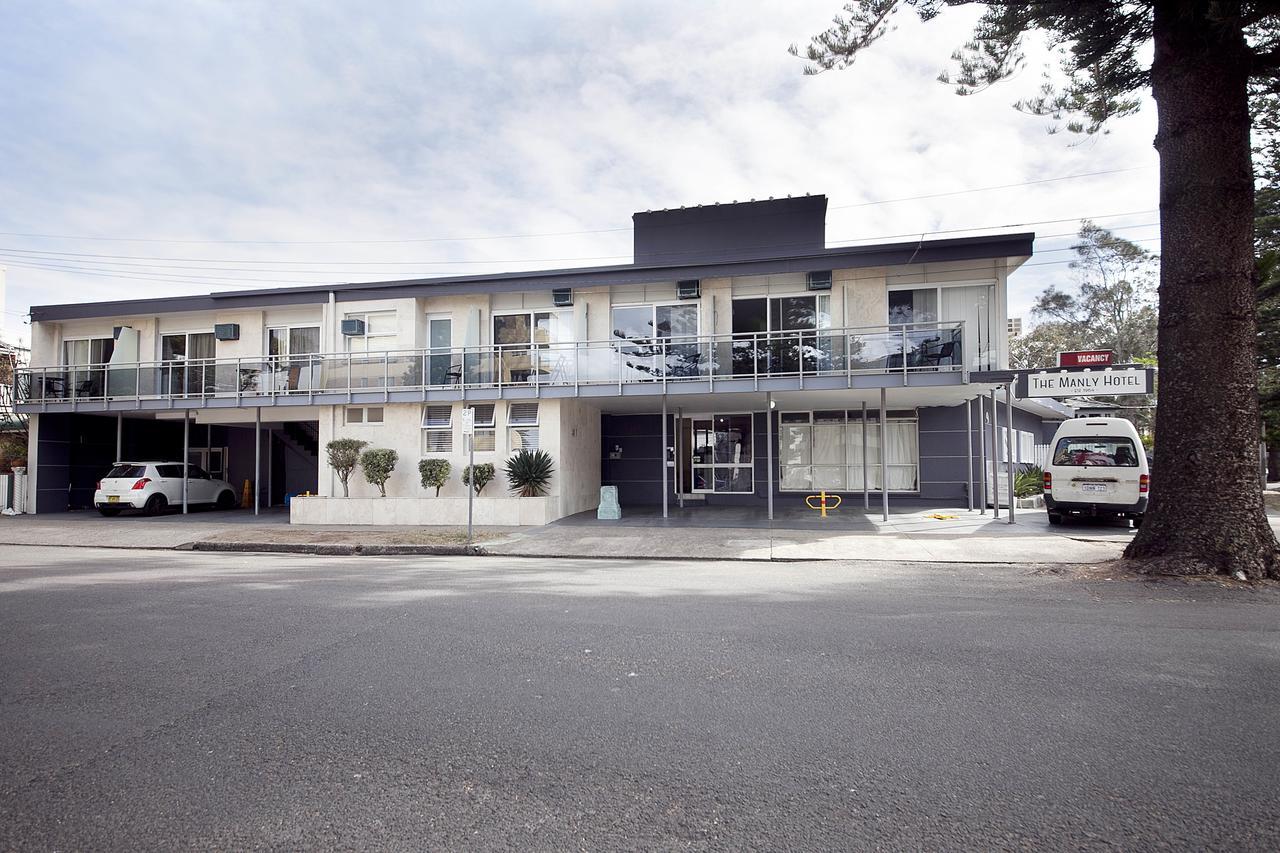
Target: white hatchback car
x=154 y=486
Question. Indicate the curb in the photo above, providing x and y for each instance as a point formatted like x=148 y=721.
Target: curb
x=340 y=550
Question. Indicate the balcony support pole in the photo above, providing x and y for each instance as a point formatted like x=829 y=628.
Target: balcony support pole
x=884 y=454
x=119 y=436
x=257 y=455
x=186 y=452
x=679 y=450
x=665 y=481
x=866 y=468
x=982 y=455
x=995 y=456
x=768 y=448
x=1008 y=423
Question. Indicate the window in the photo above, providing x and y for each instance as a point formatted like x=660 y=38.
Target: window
x=293 y=340
x=722 y=453
x=823 y=450
x=913 y=306
x=1087 y=451
x=769 y=334
x=486 y=434
x=363 y=415
x=442 y=367
x=287 y=351
x=437 y=429
x=522 y=338
x=87 y=351
x=379 y=332
x=196 y=350
x=942 y=307
x=522 y=426
x=648 y=334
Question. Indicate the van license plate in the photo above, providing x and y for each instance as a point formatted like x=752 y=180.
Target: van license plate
x=113 y=499
x=1093 y=487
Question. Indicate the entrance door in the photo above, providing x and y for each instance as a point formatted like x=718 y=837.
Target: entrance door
x=719 y=456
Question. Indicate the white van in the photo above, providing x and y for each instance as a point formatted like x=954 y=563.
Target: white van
x=1096 y=466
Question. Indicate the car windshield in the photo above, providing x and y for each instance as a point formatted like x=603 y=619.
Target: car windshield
x=1096 y=450
x=125 y=471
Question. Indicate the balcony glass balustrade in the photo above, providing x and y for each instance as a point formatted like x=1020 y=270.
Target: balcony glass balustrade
x=906 y=349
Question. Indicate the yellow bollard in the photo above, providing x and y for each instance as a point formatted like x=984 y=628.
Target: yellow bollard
x=822 y=504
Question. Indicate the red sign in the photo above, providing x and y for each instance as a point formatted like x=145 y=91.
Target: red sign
x=1086 y=358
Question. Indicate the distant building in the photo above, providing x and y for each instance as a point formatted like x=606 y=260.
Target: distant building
x=1015 y=327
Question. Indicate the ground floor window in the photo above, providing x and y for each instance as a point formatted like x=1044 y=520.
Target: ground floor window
x=824 y=450
x=721 y=453
x=522 y=426
x=437 y=429
x=486 y=434
x=363 y=415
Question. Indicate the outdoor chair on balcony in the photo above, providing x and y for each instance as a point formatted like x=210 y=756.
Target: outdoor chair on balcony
x=946 y=351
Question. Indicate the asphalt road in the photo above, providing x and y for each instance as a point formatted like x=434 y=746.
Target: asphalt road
x=175 y=700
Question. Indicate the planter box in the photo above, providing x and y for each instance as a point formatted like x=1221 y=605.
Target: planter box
x=1033 y=502
x=424 y=512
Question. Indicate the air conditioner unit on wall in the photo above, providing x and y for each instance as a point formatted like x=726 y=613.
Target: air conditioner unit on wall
x=689 y=289
x=353 y=328
x=819 y=280
x=562 y=297
x=226 y=331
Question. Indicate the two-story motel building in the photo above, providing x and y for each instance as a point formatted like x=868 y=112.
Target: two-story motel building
x=760 y=354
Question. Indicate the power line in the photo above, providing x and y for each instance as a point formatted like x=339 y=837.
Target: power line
x=535 y=235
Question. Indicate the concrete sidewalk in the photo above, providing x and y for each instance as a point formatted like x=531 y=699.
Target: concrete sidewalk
x=911 y=534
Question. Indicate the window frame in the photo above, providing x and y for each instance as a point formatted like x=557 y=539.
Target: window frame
x=487 y=428
x=366 y=337
x=713 y=465
x=851 y=416
x=430 y=429
x=524 y=428
x=364 y=410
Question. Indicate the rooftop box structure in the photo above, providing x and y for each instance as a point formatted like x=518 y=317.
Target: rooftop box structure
x=739 y=231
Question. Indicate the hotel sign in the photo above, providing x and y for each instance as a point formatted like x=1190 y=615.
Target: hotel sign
x=1077 y=382
x=1086 y=358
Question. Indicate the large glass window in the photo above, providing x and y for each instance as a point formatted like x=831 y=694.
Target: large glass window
x=938 y=342
x=379 y=332
x=781 y=334
x=722 y=460
x=289 y=351
x=658 y=340
x=824 y=450
x=86 y=357
x=195 y=351
x=522 y=338
x=1096 y=451
x=443 y=367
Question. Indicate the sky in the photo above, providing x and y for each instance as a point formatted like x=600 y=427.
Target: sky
x=160 y=148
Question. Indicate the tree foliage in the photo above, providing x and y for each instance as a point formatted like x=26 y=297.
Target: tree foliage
x=378 y=464
x=480 y=477
x=434 y=473
x=344 y=456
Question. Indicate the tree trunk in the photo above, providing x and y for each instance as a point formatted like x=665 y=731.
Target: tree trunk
x=1206 y=513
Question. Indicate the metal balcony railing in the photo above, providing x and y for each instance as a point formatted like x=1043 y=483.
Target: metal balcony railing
x=902 y=349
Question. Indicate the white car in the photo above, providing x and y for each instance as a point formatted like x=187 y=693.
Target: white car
x=155 y=486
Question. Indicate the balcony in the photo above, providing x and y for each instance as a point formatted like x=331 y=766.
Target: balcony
x=827 y=358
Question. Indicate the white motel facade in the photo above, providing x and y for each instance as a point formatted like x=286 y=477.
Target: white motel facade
x=737 y=361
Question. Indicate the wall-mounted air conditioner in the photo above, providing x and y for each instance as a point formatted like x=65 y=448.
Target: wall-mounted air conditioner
x=562 y=297
x=353 y=328
x=689 y=289
x=819 y=280
x=226 y=331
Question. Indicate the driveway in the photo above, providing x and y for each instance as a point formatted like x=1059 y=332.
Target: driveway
x=168 y=700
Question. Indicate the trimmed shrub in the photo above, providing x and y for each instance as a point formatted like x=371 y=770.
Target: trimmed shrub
x=483 y=475
x=529 y=473
x=434 y=473
x=378 y=464
x=344 y=456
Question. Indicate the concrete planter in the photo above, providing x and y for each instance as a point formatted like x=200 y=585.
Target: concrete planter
x=424 y=512
x=1033 y=502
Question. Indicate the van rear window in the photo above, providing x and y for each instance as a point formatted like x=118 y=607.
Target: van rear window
x=1096 y=450
x=121 y=472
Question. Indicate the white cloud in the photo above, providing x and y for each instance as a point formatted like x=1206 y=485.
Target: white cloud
x=212 y=121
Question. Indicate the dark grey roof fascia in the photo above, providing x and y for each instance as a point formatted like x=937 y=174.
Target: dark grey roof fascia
x=885 y=254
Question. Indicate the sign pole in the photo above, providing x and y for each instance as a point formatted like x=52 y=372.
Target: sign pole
x=1008 y=417
x=995 y=455
x=469 y=433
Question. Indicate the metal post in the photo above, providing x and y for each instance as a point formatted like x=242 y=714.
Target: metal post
x=866 y=485
x=768 y=446
x=884 y=455
x=995 y=456
x=982 y=456
x=471 y=486
x=257 y=456
x=968 y=450
x=186 y=451
x=1008 y=422
x=679 y=456
x=119 y=437
x=664 y=456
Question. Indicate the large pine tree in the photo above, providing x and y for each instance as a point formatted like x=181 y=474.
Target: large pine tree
x=1206 y=513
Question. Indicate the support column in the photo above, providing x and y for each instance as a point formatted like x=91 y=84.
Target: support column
x=257 y=455
x=982 y=456
x=665 y=479
x=866 y=467
x=119 y=437
x=768 y=444
x=968 y=450
x=995 y=456
x=186 y=451
x=884 y=455
x=680 y=485
x=1008 y=422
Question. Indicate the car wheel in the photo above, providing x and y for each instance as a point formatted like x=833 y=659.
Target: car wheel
x=156 y=504
x=109 y=511
x=1055 y=518
x=226 y=500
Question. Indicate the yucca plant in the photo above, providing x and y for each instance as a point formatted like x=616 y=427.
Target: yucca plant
x=529 y=473
x=1028 y=482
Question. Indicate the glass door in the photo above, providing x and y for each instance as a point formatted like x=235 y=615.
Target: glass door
x=440 y=365
x=720 y=454
x=189 y=358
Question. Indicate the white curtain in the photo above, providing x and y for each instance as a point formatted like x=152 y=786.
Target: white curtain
x=976 y=306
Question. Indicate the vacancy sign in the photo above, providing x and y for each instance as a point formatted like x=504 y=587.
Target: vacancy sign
x=1086 y=358
x=1108 y=382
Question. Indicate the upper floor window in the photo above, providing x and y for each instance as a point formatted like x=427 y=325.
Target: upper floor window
x=88 y=351
x=642 y=323
x=379 y=332
x=293 y=340
x=187 y=346
x=539 y=328
x=919 y=305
